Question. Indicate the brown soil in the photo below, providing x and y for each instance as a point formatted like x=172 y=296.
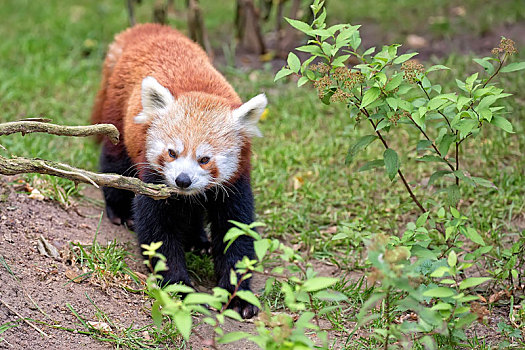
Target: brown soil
x=43 y=279
x=43 y=282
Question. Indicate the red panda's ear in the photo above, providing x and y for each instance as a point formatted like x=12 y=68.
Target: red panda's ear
x=249 y=113
x=154 y=98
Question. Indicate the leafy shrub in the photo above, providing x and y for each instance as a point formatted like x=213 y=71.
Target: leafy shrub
x=425 y=284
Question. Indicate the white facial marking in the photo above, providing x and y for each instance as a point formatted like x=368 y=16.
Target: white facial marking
x=199 y=177
x=179 y=146
x=227 y=163
x=154 y=148
x=204 y=150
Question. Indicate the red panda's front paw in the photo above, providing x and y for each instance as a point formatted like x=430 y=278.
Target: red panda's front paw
x=243 y=308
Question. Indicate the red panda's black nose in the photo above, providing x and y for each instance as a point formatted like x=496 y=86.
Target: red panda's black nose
x=183 y=180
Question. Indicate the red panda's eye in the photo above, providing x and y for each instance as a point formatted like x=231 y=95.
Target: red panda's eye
x=172 y=154
x=204 y=160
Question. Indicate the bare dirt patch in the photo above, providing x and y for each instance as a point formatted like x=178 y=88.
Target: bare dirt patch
x=43 y=282
x=37 y=287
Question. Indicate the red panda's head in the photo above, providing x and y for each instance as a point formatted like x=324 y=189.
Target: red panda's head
x=195 y=140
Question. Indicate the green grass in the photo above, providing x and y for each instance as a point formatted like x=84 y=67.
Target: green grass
x=106 y=264
x=50 y=60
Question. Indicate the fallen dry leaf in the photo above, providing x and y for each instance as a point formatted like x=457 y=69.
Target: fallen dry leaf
x=298 y=182
x=330 y=230
x=74 y=275
x=100 y=326
x=499 y=295
x=47 y=249
x=35 y=194
x=480 y=310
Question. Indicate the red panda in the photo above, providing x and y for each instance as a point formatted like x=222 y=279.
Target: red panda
x=181 y=124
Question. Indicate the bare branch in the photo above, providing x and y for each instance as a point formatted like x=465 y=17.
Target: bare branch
x=18 y=165
x=30 y=126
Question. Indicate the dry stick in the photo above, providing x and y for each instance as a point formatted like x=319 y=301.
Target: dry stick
x=18 y=165
x=24 y=319
x=27 y=127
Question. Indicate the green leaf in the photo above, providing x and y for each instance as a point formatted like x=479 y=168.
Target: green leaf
x=472 y=282
x=452 y=259
x=440 y=272
x=483 y=182
x=502 y=123
x=439 y=292
x=312 y=49
x=436 y=102
x=489 y=67
x=383 y=124
x=437 y=175
x=453 y=195
x=156 y=314
x=423 y=144
x=441 y=306
x=392 y=102
x=248 y=296
x=474 y=236
x=422 y=219
x=470 y=81
x=391 y=163
x=462 y=101
x=178 y=288
x=293 y=62
x=282 y=73
x=372 y=165
x=513 y=67
x=340 y=60
x=301 y=26
x=361 y=144
x=318 y=283
x=430 y=158
x=394 y=82
x=370 y=96
x=261 y=247
x=445 y=143
x=232 y=337
x=302 y=81
x=182 y=320
x=436 y=67
x=465 y=126
x=200 y=298
x=404 y=57
x=233 y=277
x=330 y=296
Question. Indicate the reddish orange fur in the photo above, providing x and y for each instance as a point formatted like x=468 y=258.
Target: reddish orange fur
x=177 y=63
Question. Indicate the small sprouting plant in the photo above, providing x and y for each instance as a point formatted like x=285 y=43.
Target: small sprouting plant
x=304 y=292
x=105 y=265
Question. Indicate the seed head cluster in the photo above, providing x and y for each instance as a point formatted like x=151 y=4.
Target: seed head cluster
x=507 y=46
x=321 y=67
x=322 y=84
x=340 y=96
x=411 y=71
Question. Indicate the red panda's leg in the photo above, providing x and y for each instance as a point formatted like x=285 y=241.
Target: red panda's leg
x=114 y=159
x=168 y=221
x=238 y=206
